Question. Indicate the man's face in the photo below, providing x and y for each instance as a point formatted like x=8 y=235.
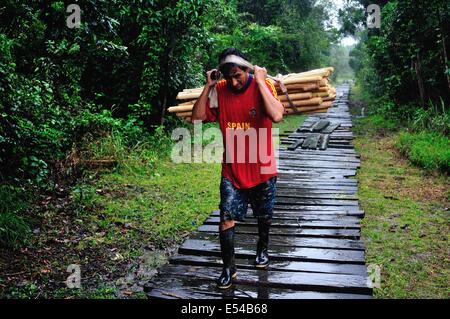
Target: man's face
x=236 y=79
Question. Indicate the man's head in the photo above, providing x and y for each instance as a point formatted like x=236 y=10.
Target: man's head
x=236 y=75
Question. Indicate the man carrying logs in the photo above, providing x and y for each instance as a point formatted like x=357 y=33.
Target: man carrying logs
x=244 y=105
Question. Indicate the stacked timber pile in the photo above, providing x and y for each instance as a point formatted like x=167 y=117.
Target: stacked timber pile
x=309 y=91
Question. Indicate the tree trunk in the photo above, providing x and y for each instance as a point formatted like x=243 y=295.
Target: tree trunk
x=444 y=49
x=167 y=57
x=163 y=111
x=418 y=69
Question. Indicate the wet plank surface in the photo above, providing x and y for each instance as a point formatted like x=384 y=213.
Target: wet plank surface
x=315 y=246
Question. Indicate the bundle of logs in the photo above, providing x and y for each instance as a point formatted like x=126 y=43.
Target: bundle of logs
x=310 y=92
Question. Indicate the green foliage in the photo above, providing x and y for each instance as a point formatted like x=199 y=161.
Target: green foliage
x=405 y=60
x=13 y=229
x=435 y=118
x=428 y=150
x=376 y=124
x=284 y=37
x=101 y=90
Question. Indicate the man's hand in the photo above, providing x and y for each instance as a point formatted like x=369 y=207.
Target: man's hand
x=272 y=105
x=260 y=74
x=209 y=81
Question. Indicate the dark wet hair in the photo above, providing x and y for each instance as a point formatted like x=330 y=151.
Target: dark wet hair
x=226 y=68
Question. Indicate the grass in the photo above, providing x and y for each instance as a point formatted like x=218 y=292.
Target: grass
x=406 y=227
x=423 y=131
x=429 y=150
x=14 y=229
x=289 y=123
x=166 y=204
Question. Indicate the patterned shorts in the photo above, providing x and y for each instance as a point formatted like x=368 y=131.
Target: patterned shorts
x=234 y=201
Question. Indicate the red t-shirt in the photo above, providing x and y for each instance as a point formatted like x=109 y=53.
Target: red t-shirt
x=248 y=158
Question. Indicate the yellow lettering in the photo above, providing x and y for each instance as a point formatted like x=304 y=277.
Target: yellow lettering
x=247 y=125
x=229 y=124
x=238 y=125
x=233 y=125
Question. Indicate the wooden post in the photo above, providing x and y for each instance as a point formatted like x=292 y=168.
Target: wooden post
x=418 y=68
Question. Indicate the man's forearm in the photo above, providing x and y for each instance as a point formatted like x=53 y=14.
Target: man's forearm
x=199 y=109
x=272 y=105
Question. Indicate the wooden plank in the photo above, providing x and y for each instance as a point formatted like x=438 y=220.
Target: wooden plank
x=311 y=141
x=336 y=135
x=314 y=165
x=313 y=191
x=317 y=173
x=299 y=181
x=323 y=142
x=305 y=194
x=320 y=233
x=320 y=125
x=316 y=183
x=281 y=253
x=328 y=243
x=322 y=210
x=337 y=153
x=317 y=209
x=300 y=157
x=276 y=265
x=319 y=164
x=301 y=216
x=179 y=287
x=278 y=279
x=320 y=213
x=314 y=224
x=331 y=128
x=313 y=202
x=295 y=144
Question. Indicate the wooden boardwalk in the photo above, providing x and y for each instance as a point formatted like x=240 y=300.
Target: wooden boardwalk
x=315 y=248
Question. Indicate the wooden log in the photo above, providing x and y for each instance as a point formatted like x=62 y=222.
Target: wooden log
x=321 y=72
x=295 y=96
x=313 y=101
x=303 y=88
x=330 y=98
x=299 y=99
x=300 y=87
x=321 y=94
x=326 y=104
x=192 y=102
x=184 y=114
x=188 y=96
x=305 y=110
x=323 y=82
x=180 y=108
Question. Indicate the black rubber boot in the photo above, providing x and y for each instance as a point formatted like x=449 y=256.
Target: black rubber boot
x=229 y=268
x=262 y=255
